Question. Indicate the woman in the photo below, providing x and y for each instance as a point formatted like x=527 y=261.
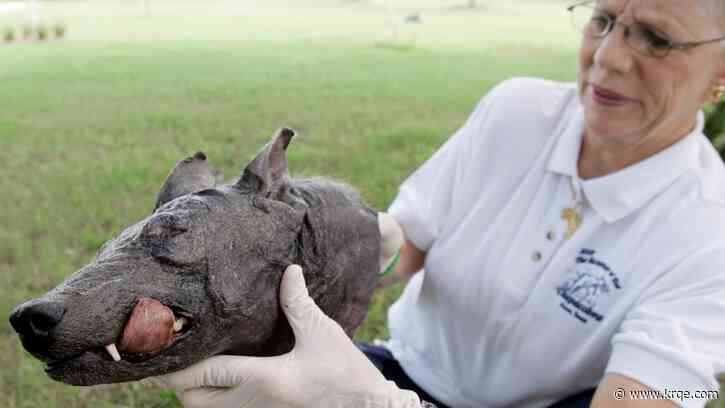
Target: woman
x=572 y=237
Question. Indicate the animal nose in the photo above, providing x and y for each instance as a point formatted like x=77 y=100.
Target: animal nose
x=35 y=320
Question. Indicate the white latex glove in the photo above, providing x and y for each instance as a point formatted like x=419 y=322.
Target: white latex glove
x=391 y=239
x=324 y=370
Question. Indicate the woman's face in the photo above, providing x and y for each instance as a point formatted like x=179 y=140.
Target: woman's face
x=633 y=100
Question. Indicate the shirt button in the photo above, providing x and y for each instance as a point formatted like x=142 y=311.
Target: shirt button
x=536 y=257
x=551 y=235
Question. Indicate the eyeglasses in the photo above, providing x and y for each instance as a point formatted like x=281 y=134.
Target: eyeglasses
x=647 y=40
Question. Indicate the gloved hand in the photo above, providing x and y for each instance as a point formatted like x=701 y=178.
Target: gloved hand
x=391 y=240
x=324 y=370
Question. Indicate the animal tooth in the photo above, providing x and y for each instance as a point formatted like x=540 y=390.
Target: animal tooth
x=179 y=324
x=113 y=351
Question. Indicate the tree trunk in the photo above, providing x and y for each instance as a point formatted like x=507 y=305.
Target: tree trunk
x=33 y=6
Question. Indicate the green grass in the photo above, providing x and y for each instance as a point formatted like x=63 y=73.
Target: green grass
x=90 y=125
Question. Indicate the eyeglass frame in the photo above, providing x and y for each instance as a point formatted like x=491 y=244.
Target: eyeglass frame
x=682 y=46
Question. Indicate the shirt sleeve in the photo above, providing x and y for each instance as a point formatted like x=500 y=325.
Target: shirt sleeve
x=424 y=200
x=673 y=341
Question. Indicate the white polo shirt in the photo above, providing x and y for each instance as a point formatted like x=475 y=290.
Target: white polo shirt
x=509 y=313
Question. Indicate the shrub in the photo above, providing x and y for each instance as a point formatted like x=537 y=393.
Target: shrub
x=9 y=34
x=27 y=31
x=42 y=33
x=59 y=30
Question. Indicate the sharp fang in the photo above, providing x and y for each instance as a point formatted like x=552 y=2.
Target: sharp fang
x=179 y=324
x=113 y=351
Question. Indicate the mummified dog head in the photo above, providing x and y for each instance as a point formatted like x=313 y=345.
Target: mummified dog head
x=200 y=276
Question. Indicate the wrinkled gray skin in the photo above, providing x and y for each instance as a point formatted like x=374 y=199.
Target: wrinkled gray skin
x=217 y=254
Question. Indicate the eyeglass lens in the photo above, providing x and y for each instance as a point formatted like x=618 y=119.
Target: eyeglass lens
x=597 y=24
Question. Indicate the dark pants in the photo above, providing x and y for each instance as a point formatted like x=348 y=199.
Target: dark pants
x=388 y=365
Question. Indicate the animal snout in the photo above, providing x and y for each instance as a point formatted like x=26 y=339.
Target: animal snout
x=35 y=320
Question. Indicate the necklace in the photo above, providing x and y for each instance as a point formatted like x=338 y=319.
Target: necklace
x=572 y=214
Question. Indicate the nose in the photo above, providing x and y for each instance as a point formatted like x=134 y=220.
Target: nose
x=35 y=320
x=613 y=53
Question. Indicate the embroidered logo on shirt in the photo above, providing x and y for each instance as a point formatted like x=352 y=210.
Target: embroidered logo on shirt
x=587 y=282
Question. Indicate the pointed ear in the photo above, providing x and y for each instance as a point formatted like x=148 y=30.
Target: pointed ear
x=267 y=173
x=190 y=175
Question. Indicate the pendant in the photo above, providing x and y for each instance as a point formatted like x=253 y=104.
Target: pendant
x=573 y=221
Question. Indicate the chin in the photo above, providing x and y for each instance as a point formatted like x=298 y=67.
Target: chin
x=616 y=119
x=607 y=128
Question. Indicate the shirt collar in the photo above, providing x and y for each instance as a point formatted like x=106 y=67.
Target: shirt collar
x=617 y=195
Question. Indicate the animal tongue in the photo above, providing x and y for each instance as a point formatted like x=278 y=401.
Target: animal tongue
x=149 y=329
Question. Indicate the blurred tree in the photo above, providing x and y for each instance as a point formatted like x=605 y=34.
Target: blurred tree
x=33 y=7
x=471 y=3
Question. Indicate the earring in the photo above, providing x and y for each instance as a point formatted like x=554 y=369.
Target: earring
x=718 y=92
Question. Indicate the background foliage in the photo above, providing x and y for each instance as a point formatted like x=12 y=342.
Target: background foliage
x=715 y=126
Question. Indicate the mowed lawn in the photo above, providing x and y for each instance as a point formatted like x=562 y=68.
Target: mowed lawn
x=90 y=126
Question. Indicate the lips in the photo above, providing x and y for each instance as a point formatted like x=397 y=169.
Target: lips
x=94 y=366
x=151 y=329
x=608 y=97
